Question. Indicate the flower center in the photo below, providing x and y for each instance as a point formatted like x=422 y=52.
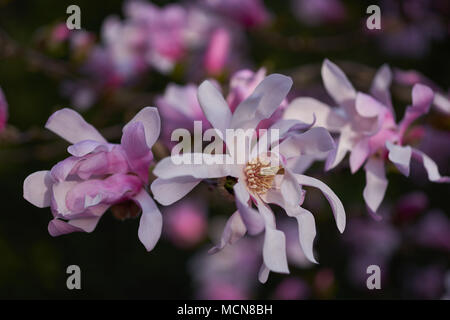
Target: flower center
x=260 y=174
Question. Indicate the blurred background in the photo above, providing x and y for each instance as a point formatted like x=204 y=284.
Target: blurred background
x=103 y=72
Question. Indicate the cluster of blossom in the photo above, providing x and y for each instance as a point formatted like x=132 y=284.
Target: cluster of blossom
x=99 y=175
x=204 y=34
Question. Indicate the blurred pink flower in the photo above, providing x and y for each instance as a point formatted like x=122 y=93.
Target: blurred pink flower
x=98 y=175
x=186 y=223
x=367 y=128
x=60 y=33
x=433 y=231
x=410 y=206
x=227 y=274
x=319 y=12
x=284 y=189
x=291 y=288
x=217 y=52
x=249 y=13
x=3 y=111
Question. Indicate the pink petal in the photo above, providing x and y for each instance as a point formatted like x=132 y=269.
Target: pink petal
x=37 y=188
x=422 y=97
x=312 y=142
x=135 y=146
x=337 y=84
x=380 y=86
x=149 y=117
x=309 y=109
x=69 y=125
x=57 y=227
x=85 y=147
x=359 y=154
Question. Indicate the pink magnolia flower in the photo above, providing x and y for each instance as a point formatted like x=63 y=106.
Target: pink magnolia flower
x=98 y=175
x=367 y=128
x=3 y=111
x=186 y=223
x=265 y=177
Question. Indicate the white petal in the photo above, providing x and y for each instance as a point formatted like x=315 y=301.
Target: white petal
x=376 y=183
x=400 y=156
x=234 y=230
x=262 y=103
x=168 y=191
x=214 y=106
x=150 y=225
x=335 y=203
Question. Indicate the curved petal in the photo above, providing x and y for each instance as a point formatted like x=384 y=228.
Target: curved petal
x=400 y=156
x=85 y=147
x=150 y=225
x=335 y=203
x=343 y=145
x=138 y=152
x=306 y=230
x=307 y=109
x=234 y=230
x=37 y=188
x=214 y=106
x=168 y=191
x=71 y=126
x=263 y=274
x=85 y=224
x=380 y=86
x=290 y=189
x=430 y=166
x=274 y=248
x=376 y=183
x=422 y=97
x=337 y=83
x=251 y=217
x=262 y=103
x=312 y=142
x=359 y=154
x=149 y=117
x=57 y=227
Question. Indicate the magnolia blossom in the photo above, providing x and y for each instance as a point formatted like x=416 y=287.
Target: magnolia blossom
x=98 y=175
x=265 y=176
x=367 y=128
x=3 y=111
